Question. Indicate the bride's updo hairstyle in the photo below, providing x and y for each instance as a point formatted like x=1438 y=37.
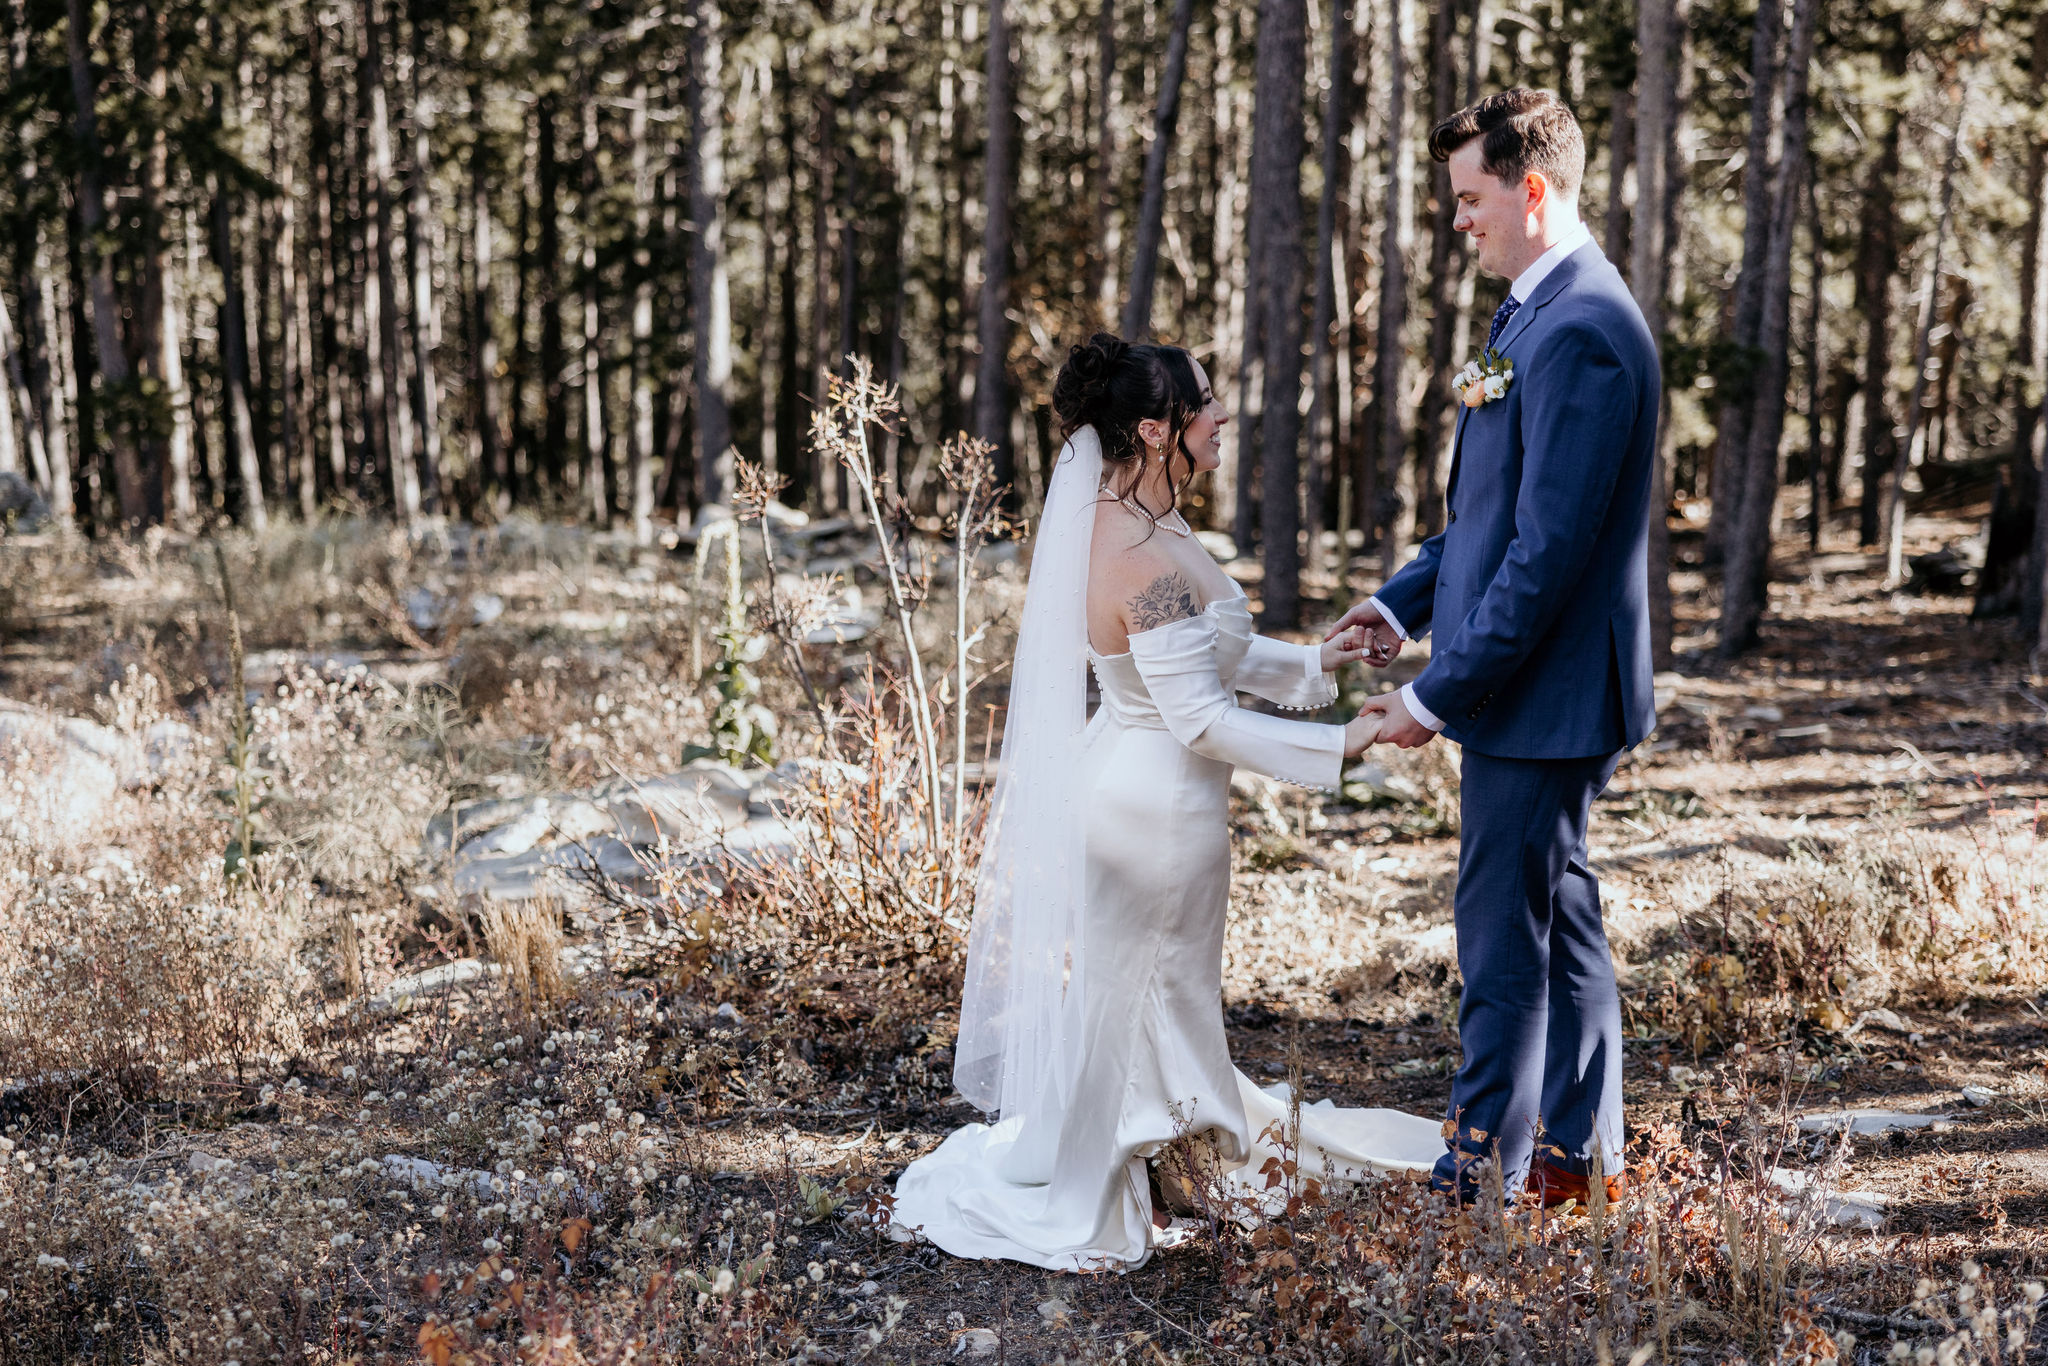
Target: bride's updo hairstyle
x=1112 y=386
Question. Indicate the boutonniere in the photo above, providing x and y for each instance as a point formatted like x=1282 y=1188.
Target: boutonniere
x=1485 y=379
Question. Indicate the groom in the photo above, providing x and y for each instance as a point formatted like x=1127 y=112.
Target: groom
x=1537 y=590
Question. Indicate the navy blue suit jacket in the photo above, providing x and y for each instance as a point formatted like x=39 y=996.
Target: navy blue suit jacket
x=1538 y=587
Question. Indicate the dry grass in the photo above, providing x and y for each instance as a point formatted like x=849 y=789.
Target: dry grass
x=680 y=1150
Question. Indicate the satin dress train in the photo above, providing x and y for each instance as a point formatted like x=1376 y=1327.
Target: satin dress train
x=1066 y=1188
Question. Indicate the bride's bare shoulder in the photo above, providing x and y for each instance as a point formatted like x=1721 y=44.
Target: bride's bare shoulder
x=1138 y=578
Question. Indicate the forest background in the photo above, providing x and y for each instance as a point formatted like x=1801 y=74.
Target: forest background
x=480 y=882
x=458 y=257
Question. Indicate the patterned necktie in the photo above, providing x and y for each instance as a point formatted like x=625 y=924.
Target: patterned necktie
x=1500 y=319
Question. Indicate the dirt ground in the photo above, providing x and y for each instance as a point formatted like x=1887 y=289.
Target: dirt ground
x=1861 y=700
x=1866 y=710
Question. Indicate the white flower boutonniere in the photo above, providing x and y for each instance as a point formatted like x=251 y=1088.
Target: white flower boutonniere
x=1485 y=379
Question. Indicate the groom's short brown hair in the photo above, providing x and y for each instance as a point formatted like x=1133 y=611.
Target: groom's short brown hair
x=1522 y=130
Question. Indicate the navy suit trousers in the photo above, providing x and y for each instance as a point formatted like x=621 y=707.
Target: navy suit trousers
x=1540 y=1017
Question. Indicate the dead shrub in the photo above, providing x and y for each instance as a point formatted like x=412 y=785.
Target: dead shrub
x=525 y=939
x=1807 y=935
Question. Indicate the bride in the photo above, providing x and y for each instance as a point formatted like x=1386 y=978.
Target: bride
x=1091 y=1021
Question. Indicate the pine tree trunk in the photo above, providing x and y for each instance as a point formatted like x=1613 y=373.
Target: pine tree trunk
x=1621 y=156
x=323 y=284
x=827 y=479
x=546 y=274
x=387 y=385
x=2021 y=573
x=710 y=300
x=1655 y=120
x=15 y=406
x=1910 y=453
x=1321 y=449
x=1234 y=302
x=641 y=453
x=48 y=443
x=1737 y=390
x=992 y=331
x=425 y=322
x=496 y=473
x=1103 y=260
x=155 y=337
x=1818 y=491
x=89 y=472
x=595 y=489
x=1136 y=323
x=1276 y=203
x=105 y=309
x=297 y=443
x=1877 y=263
x=240 y=430
x=1746 y=578
x=1397 y=231
x=788 y=414
x=182 y=506
x=1446 y=265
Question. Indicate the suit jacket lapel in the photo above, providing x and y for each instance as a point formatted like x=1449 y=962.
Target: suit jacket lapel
x=1553 y=284
x=1457 y=453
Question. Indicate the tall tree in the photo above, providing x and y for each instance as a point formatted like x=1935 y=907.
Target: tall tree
x=104 y=305
x=425 y=320
x=1328 y=269
x=1877 y=261
x=991 y=380
x=1736 y=387
x=708 y=289
x=1746 y=579
x=640 y=471
x=496 y=473
x=391 y=413
x=1446 y=266
x=1655 y=122
x=15 y=404
x=1909 y=454
x=2016 y=553
x=1397 y=230
x=596 y=488
x=1136 y=323
x=1103 y=260
x=240 y=430
x=1282 y=64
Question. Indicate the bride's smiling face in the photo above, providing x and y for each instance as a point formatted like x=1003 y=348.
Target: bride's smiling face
x=1204 y=437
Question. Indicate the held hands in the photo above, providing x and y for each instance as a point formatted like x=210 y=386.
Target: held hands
x=1347 y=647
x=1382 y=642
x=1362 y=732
x=1394 y=724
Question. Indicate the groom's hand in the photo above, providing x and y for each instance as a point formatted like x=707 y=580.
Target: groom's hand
x=1382 y=641
x=1398 y=727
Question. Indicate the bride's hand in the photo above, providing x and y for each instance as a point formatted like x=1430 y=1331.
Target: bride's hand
x=1348 y=646
x=1362 y=732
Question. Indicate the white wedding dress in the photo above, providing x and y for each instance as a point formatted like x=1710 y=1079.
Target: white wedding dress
x=1063 y=1184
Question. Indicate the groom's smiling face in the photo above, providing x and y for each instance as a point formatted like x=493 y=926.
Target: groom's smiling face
x=1503 y=216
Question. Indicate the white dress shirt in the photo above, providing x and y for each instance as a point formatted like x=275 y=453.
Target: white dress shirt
x=1578 y=235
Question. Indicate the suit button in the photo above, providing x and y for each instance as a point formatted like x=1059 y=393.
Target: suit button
x=1453 y=515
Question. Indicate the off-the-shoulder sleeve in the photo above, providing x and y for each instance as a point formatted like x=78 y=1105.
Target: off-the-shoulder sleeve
x=1178 y=663
x=1291 y=675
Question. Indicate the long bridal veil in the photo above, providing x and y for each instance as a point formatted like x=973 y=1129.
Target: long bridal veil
x=1020 y=1010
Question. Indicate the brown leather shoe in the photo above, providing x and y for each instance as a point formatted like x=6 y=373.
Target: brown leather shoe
x=1554 y=1185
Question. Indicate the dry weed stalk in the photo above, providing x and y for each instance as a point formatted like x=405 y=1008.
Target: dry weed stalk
x=839 y=430
x=785 y=621
x=967 y=464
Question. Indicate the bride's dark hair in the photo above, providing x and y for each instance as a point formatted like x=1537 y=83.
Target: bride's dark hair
x=1111 y=385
